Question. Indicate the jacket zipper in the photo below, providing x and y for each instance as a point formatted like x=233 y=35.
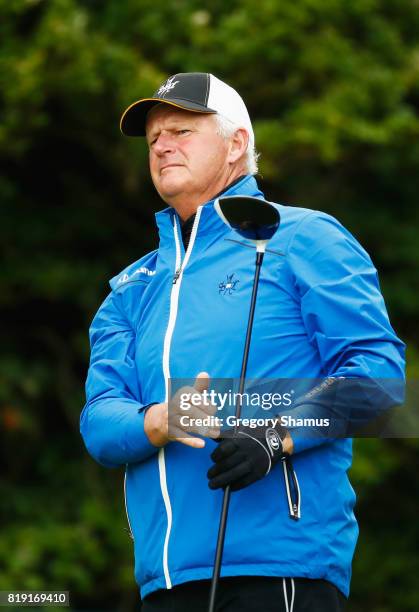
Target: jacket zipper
x=174 y=301
x=292 y=488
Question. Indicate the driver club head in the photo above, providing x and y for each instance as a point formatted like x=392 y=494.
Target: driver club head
x=252 y=218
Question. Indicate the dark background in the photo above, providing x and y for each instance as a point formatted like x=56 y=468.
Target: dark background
x=333 y=90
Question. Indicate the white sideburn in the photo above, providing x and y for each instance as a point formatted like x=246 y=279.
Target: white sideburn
x=174 y=300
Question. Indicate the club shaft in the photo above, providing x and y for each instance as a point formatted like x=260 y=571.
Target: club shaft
x=227 y=492
x=219 y=550
x=259 y=260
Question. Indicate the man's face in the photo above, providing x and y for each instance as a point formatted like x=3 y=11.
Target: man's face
x=187 y=156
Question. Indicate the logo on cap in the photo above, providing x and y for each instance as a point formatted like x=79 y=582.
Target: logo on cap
x=167 y=86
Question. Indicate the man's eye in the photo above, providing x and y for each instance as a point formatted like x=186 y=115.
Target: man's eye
x=184 y=131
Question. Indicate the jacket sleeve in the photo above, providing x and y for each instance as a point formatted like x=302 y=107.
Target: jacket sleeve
x=344 y=312
x=112 y=421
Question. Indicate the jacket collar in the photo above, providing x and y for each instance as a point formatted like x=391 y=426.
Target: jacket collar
x=210 y=221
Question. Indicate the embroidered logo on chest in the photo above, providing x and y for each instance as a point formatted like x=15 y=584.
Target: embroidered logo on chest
x=227 y=286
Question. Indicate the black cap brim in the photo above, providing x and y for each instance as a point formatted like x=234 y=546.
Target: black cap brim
x=134 y=117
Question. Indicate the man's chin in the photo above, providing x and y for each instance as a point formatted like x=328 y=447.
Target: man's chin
x=171 y=188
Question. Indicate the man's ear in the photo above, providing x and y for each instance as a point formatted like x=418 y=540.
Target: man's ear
x=238 y=145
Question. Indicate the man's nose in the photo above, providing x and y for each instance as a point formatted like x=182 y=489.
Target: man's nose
x=163 y=144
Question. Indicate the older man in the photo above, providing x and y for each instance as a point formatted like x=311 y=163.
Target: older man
x=291 y=532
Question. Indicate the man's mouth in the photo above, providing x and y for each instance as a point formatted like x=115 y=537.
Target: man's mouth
x=165 y=167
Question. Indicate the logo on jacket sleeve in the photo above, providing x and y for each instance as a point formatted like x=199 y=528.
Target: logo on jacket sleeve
x=125 y=277
x=228 y=286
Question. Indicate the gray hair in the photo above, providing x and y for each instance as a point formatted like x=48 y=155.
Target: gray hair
x=226 y=128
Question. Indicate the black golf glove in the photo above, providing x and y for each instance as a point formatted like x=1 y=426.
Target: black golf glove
x=246 y=457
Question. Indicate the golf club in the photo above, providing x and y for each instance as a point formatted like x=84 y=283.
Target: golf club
x=256 y=220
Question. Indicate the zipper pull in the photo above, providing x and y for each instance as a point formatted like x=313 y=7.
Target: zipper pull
x=176 y=275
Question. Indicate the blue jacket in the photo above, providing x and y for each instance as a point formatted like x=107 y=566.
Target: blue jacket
x=319 y=313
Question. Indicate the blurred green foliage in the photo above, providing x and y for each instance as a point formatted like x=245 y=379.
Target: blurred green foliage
x=333 y=90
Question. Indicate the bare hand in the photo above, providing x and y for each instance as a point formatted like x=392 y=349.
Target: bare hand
x=156 y=422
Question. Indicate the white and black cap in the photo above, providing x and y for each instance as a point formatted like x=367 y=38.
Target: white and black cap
x=198 y=92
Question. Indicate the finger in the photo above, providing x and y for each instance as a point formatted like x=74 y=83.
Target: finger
x=202 y=382
x=241 y=483
x=214 y=433
x=225 y=465
x=207 y=431
x=202 y=411
x=196 y=423
x=190 y=400
x=179 y=435
x=230 y=477
x=208 y=408
x=192 y=442
x=224 y=450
